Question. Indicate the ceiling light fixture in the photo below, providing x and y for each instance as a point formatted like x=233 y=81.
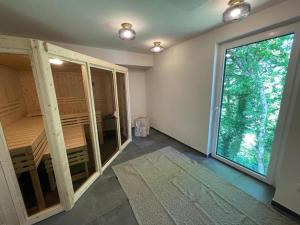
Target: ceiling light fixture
x=126 y=32
x=55 y=61
x=157 y=47
x=238 y=9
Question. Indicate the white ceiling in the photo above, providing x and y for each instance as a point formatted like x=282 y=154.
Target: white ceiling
x=95 y=22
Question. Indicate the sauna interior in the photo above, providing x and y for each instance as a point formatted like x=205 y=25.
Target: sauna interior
x=60 y=118
x=123 y=113
x=22 y=123
x=105 y=104
x=75 y=118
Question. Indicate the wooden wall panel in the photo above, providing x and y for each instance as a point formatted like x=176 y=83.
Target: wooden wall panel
x=69 y=92
x=103 y=91
x=18 y=97
x=71 y=97
x=12 y=106
x=29 y=93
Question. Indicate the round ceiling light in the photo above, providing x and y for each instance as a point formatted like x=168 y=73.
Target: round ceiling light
x=55 y=61
x=237 y=10
x=126 y=32
x=157 y=47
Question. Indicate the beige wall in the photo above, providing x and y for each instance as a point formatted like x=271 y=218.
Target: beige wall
x=288 y=182
x=137 y=86
x=125 y=58
x=179 y=84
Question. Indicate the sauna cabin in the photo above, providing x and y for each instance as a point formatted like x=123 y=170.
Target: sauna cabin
x=64 y=118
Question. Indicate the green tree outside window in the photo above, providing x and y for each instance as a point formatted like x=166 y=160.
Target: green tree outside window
x=254 y=80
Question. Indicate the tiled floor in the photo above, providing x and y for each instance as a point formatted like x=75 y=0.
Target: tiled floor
x=106 y=203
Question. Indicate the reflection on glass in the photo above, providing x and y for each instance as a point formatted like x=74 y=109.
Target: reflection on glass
x=121 y=86
x=74 y=116
x=22 y=122
x=103 y=91
x=254 y=80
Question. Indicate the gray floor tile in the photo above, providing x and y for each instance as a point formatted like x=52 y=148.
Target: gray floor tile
x=222 y=170
x=106 y=203
x=122 y=213
x=157 y=138
x=143 y=142
x=255 y=188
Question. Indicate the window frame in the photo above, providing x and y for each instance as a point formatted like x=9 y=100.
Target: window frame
x=287 y=103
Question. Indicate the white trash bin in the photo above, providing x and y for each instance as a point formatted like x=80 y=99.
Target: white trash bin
x=142 y=127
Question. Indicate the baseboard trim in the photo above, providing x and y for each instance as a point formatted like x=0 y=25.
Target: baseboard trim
x=201 y=153
x=285 y=209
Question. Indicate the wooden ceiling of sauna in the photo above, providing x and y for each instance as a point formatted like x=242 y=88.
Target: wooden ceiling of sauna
x=22 y=62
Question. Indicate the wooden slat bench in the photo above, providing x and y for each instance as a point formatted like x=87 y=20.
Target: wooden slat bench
x=82 y=118
x=77 y=153
x=26 y=141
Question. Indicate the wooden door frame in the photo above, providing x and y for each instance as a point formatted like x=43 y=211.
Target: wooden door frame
x=39 y=52
x=127 y=93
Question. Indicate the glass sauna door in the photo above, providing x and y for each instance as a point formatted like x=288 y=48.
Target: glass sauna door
x=24 y=131
x=75 y=119
x=122 y=102
x=104 y=100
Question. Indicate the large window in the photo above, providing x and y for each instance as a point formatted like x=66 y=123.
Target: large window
x=254 y=79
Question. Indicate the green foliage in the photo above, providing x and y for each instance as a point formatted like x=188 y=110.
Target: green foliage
x=254 y=79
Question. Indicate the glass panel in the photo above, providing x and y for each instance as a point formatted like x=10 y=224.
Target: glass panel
x=104 y=98
x=23 y=126
x=254 y=79
x=74 y=116
x=121 y=86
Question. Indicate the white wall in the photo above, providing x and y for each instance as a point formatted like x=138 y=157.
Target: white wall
x=288 y=182
x=125 y=58
x=179 y=86
x=137 y=86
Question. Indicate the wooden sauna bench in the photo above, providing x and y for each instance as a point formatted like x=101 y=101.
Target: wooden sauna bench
x=82 y=118
x=75 y=142
x=77 y=153
x=26 y=141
